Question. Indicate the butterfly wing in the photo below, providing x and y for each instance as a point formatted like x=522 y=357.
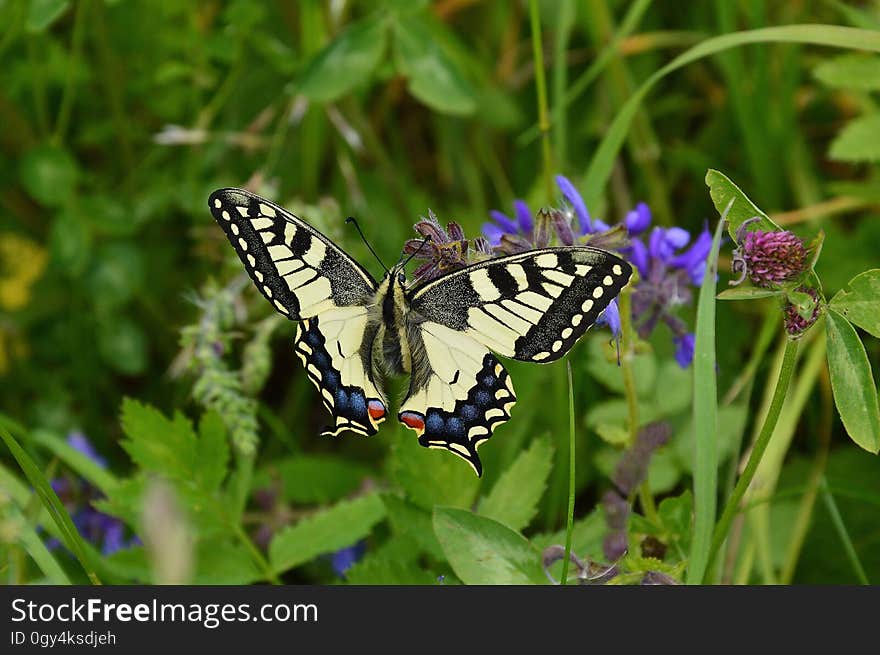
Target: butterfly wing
x=531 y=306
x=310 y=280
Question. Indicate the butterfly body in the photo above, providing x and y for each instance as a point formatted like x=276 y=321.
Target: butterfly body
x=352 y=331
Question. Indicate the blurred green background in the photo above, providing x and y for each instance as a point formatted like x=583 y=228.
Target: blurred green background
x=117 y=119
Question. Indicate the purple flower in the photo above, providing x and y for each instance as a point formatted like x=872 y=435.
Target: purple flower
x=445 y=251
x=574 y=199
x=768 y=258
x=611 y=318
x=103 y=530
x=684 y=349
x=522 y=225
x=638 y=219
x=345 y=558
x=798 y=320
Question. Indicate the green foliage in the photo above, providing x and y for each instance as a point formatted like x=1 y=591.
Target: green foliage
x=118 y=119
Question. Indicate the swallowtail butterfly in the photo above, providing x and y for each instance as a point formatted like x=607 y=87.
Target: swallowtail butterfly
x=351 y=329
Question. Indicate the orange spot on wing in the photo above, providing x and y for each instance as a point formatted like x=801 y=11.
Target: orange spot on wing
x=376 y=409
x=412 y=420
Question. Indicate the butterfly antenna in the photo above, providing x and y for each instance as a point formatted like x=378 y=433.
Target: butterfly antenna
x=424 y=241
x=353 y=221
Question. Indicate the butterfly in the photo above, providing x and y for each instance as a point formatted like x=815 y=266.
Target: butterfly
x=352 y=331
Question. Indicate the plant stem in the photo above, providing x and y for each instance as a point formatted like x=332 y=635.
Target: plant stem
x=564 y=23
x=541 y=89
x=842 y=532
x=69 y=86
x=571 y=471
x=788 y=361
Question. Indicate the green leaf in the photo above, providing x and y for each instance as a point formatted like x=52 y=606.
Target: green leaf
x=49 y=174
x=157 y=444
x=308 y=479
x=850 y=71
x=432 y=477
x=859 y=141
x=852 y=382
x=746 y=292
x=705 y=413
x=514 y=499
x=602 y=163
x=612 y=433
x=53 y=505
x=326 y=531
x=394 y=563
x=432 y=76
x=586 y=536
x=677 y=515
x=859 y=302
x=722 y=191
x=219 y=562
x=212 y=451
x=483 y=551
x=413 y=523
x=347 y=62
x=42 y=13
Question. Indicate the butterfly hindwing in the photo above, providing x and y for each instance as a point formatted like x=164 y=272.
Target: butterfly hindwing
x=532 y=306
x=299 y=270
x=459 y=392
x=310 y=280
x=335 y=349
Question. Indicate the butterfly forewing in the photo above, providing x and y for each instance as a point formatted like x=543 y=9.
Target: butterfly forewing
x=532 y=306
x=310 y=280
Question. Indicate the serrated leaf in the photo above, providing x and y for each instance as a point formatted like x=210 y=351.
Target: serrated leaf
x=347 y=62
x=722 y=190
x=220 y=562
x=677 y=514
x=746 y=292
x=432 y=477
x=852 y=382
x=309 y=479
x=432 y=76
x=859 y=301
x=514 y=499
x=858 y=141
x=156 y=443
x=850 y=71
x=483 y=551
x=392 y=564
x=326 y=531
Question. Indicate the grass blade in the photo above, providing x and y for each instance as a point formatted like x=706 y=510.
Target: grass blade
x=843 y=533
x=705 y=417
x=34 y=546
x=69 y=533
x=599 y=171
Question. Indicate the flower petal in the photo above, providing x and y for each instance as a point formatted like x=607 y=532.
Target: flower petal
x=504 y=221
x=576 y=201
x=523 y=216
x=684 y=349
x=638 y=255
x=492 y=233
x=639 y=219
x=611 y=318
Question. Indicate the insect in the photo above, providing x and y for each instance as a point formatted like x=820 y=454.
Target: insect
x=353 y=330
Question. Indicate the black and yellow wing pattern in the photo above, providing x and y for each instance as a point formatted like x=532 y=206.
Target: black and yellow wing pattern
x=532 y=306
x=311 y=281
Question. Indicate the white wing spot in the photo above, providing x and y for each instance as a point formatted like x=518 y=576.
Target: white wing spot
x=597 y=292
x=266 y=210
x=557 y=346
x=587 y=306
x=267 y=290
x=495 y=411
x=261 y=223
x=540 y=356
x=225 y=215
x=502 y=393
x=559 y=277
x=258 y=275
x=566 y=333
x=242 y=243
x=281 y=308
x=548 y=260
x=582 y=269
x=217 y=203
x=483 y=285
x=234 y=229
x=242 y=210
x=252 y=261
x=576 y=319
x=267 y=236
x=552 y=289
x=608 y=281
x=617 y=270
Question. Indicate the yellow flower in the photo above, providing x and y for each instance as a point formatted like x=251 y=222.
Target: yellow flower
x=22 y=262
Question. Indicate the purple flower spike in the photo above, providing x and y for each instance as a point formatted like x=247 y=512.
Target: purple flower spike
x=638 y=220
x=693 y=260
x=684 y=349
x=577 y=202
x=523 y=216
